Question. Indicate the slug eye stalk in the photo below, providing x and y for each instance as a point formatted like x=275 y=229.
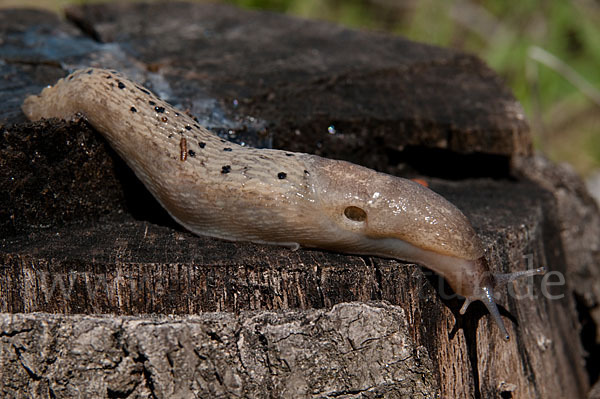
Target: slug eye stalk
x=486 y=295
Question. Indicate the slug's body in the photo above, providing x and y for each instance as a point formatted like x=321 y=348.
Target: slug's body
x=217 y=188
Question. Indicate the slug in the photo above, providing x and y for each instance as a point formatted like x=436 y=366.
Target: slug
x=217 y=188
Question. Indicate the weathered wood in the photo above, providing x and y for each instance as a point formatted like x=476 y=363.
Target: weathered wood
x=81 y=235
x=358 y=349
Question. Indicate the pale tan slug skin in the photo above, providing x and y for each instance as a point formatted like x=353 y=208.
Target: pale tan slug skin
x=224 y=190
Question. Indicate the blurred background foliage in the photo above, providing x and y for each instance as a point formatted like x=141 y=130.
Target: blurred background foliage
x=547 y=51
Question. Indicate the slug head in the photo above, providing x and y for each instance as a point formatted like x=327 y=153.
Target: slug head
x=378 y=214
x=484 y=290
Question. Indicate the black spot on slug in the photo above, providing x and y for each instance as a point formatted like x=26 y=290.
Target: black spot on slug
x=108 y=77
x=133 y=109
x=89 y=71
x=196 y=119
x=227 y=149
x=226 y=169
x=201 y=144
x=151 y=102
x=143 y=90
x=287 y=154
x=188 y=127
x=196 y=126
x=306 y=172
x=160 y=110
x=177 y=114
x=281 y=175
x=192 y=153
x=121 y=85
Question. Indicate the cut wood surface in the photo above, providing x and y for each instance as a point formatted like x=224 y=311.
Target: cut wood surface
x=104 y=295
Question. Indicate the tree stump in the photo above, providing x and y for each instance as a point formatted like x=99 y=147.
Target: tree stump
x=104 y=295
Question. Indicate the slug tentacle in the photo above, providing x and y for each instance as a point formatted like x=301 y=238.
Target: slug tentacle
x=486 y=294
x=505 y=278
x=220 y=189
